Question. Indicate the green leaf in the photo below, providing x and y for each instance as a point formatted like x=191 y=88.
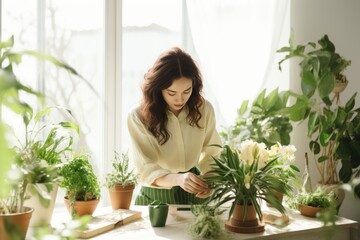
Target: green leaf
x=314 y=147
x=326 y=84
x=350 y=103
x=322 y=159
x=243 y=107
x=271 y=99
x=308 y=83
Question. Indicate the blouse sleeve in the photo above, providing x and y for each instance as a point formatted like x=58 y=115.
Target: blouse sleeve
x=211 y=137
x=144 y=152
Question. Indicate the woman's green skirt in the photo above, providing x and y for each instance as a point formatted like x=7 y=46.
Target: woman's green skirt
x=175 y=195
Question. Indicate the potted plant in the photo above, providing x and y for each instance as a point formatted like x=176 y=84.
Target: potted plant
x=81 y=185
x=333 y=129
x=288 y=172
x=39 y=158
x=14 y=184
x=244 y=177
x=120 y=182
x=261 y=122
x=311 y=203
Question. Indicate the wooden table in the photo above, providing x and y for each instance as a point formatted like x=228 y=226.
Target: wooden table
x=178 y=222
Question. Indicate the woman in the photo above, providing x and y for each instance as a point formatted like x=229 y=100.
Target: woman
x=171 y=132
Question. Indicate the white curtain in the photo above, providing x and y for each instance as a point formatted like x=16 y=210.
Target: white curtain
x=236 y=43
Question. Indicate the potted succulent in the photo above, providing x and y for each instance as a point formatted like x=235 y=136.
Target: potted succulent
x=333 y=129
x=120 y=182
x=81 y=185
x=14 y=184
x=244 y=177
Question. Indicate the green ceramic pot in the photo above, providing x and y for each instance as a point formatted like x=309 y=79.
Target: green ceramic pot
x=158 y=214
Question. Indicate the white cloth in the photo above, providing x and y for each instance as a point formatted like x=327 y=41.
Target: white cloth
x=186 y=148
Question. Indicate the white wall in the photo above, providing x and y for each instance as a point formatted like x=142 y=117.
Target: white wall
x=311 y=19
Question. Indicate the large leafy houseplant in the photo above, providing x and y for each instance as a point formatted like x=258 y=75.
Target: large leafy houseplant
x=13 y=192
x=244 y=176
x=333 y=129
x=261 y=122
x=12 y=91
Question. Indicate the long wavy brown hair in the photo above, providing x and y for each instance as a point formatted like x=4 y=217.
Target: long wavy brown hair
x=171 y=65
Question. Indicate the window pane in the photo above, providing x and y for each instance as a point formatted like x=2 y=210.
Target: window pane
x=56 y=28
x=149 y=28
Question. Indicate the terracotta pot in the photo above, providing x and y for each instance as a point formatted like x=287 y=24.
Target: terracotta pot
x=248 y=224
x=82 y=208
x=42 y=214
x=308 y=211
x=121 y=196
x=15 y=223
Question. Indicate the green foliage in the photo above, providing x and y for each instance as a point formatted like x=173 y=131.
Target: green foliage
x=79 y=179
x=333 y=130
x=120 y=174
x=245 y=181
x=17 y=174
x=261 y=122
x=318 y=198
x=207 y=224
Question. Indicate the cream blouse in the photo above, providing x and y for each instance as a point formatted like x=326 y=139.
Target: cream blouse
x=187 y=146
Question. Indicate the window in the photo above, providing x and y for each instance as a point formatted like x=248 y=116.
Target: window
x=56 y=28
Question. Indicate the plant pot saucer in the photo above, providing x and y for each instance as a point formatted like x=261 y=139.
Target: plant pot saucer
x=245 y=229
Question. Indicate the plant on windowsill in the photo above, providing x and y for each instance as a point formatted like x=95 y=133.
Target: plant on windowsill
x=14 y=186
x=40 y=158
x=244 y=177
x=310 y=204
x=333 y=129
x=81 y=185
x=120 y=182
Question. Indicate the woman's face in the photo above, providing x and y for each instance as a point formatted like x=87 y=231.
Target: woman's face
x=177 y=94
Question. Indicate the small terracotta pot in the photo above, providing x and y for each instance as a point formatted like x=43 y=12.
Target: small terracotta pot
x=249 y=224
x=19 y=222
x=121 y=196
x=309 y=211
x=82 y=207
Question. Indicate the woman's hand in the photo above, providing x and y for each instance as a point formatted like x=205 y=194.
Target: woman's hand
x=193 y=184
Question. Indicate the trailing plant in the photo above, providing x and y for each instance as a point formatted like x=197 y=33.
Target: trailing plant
x=260 y=122
x=120 y=174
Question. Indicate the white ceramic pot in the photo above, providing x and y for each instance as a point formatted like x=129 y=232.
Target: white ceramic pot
x=41 y=214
